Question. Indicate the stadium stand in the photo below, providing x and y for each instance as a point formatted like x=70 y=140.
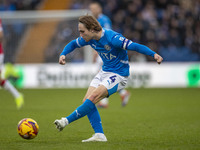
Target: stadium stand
x=14 y=32
x=35 y=43
x=170 y=27
x=32 y=39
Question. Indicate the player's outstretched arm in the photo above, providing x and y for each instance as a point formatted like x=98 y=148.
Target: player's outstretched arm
x=121 y=42
x=158 y=58
x=79 y=42
x=62 y=60
x=67 y=49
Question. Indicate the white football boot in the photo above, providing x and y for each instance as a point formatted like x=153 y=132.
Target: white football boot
x=97 y=137
x=60 y=124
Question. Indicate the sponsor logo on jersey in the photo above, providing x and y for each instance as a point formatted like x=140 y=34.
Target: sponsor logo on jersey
x=107 y=56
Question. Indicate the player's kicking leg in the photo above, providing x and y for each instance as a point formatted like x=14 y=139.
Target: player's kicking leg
x=94 y=94
x=97 y=137
x=87 y=108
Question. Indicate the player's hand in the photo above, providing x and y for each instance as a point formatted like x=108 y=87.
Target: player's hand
x=158 y=58
x=62 y=60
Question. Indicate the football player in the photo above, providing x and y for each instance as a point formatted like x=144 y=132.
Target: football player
x=112 y=48
x=5 y=83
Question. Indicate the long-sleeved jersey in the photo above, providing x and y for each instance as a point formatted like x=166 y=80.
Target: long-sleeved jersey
x=111 y=47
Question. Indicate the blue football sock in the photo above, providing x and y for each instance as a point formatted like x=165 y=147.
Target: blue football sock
x=95 y=120
x=81 y=111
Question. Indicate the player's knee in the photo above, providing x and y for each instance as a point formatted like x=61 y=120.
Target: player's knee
x=93 y=97
x=96 y=97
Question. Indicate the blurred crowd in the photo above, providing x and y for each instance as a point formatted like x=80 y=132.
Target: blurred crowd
x=13 y=32
x=13 y=5
x=169 y=27
x=65 y=32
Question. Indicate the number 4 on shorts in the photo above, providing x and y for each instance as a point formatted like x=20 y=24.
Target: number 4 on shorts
x=112 y=78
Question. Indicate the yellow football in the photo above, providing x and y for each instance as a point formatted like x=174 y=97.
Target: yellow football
x=28 y=128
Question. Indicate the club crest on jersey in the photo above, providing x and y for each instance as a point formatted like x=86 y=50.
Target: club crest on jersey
x=107 y=47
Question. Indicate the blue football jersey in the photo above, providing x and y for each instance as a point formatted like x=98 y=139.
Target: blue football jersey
x=111 y=47
x=114 y=57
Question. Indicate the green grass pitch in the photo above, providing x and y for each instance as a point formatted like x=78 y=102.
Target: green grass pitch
x=156 y=119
